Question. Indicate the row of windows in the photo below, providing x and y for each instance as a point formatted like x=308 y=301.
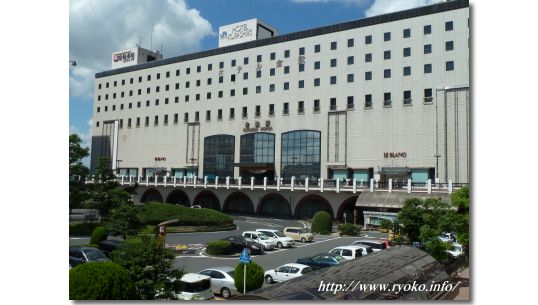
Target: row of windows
x=368 y=103
x=368 y=39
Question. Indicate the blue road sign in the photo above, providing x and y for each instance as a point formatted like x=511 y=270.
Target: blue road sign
x=245 y=256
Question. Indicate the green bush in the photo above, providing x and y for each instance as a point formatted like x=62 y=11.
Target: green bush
x=218 y=247
x=254 y=277
x=99 y=234
x=82 y=228
x=100 y=281
x=154 y=213
x=348 y=229
x=322 y=223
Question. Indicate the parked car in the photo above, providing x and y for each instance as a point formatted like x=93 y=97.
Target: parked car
x=240 y=242
x=456 y=250
x=447 y=237
x=279 y=237
x=107 y=246
x=191 y=286
x=286 y=272
x=376 y=244
x=321 y=260
x=268 y=243
x=298 y=234
x=349 y=252
x=196 y=207
x=222 y=280
x=79 y=255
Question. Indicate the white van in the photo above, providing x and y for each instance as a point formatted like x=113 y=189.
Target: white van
x=192 y=286
x=280 y=239
x=267 y=242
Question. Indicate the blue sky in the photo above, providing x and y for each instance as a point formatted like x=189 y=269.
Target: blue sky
x=98 y=28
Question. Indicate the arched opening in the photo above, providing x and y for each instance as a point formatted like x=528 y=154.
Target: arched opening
x=207 y=199
x=347 y=210
x=238 y=202
x=274 y=205
x=310 y=205
x=152 y=195
x=178 y=197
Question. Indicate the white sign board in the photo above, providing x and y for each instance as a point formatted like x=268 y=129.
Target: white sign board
x=125 y=58
x=237 y=33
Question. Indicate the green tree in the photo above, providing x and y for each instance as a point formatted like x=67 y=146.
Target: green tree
x=100 y=281
x=254 y=277
x=123 y=221
x=386 y=224
x=77 y=172
x=149 y=265
x=322 y=223
x=99 y=234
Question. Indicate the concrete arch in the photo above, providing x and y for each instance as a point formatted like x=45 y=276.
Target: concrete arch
x=207 y=199
x=152 y=195
x=310 y=205
x=238 y=202
x=178 y=196
x=274 y=204
x=348 y=206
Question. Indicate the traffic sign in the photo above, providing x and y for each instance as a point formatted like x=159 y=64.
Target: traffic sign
x=245 y=256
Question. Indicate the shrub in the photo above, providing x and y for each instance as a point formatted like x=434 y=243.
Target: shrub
x=82 y=228
x=217 y=247
x=154 y=213
x=348 y=229
x=254 y=277
x=123 y=221
x=100 y=281
x=322 y=223
x=99 y=234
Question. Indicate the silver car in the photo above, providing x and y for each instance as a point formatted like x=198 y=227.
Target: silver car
x=222 y=280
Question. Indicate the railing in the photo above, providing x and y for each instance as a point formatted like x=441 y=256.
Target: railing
x=293 y=184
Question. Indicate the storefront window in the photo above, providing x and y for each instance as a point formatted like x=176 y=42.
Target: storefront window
x=301 y=154
x=219 y=156
x=258 y=148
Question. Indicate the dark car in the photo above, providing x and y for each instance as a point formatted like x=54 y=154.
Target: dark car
x=79 y=255
x=240 y=242
x=322 y=260
x=107 y=246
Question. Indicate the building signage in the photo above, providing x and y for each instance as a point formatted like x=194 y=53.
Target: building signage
x=160 y=158
x=126 y=56
x=395 y=155
x=237 y=32
x=257 y=127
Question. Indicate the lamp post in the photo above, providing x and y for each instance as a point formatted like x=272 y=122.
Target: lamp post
x=73 y=63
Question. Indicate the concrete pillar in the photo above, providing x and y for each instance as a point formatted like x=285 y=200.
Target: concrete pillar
x=306 y=184
x=278 y=183
x=194 y=181
x=239 y=180
x=429 y=186
x=354 y=186
x=338 y=185
x=216 y=182
x=450 y=186
x=228 y=182
x=165 y=180
x=184 y=181
x=147 y=180
x=130 y=180
x=175 y=181
x=251 y=183
x=205 y=182
x=138 y=179
x=371 y=186
x=409 y=184
x=122 y=177
x=292 y=183
x=265 y=183
x=321 y=185
x=156 y=180
x=390 y=185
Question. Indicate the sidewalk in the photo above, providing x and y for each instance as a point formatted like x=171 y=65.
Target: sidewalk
x=463 y=293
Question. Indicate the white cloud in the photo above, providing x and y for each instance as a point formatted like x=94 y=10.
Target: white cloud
x=98 y=28
x=380 y=7
x=358 y=2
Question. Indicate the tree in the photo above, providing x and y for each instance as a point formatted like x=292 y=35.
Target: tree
x=123 y=221
x=77 y=172
x=100 y=281
x=254 y=277
x=149 y=264
x=386 y=224
x=322 y=223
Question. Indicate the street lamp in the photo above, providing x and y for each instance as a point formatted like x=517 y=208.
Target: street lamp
x=73 y=63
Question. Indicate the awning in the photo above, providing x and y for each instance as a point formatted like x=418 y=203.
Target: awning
x=393 y=199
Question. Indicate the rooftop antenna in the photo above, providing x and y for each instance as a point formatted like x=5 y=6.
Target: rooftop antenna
x=151 y=39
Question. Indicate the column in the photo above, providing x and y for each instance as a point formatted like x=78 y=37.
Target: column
x=175 y=181
x=321 y=185
x=371 y=186
x=338 y=185
x=354 y=186
x=390 y=185
x=147 y=180
x=239 y=182
x=278 y=183
x=205 y=182
x=306 y=184
x=429 y=186
x=409 y=184
x=450 y=186
x=251 y=183
x=122 y=177
x=165 y=180
x=292 y=182
x=228 y=182
x=265 y=183
x=184 y=181
x=216 y=182
x=194 y=181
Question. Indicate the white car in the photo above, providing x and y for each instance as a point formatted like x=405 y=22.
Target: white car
x=280 y=239
x=286 y=272
x=348 y=252
x=268 y=243
x=191 y=286
x=456 y=250
x=222 y=280
x=447 y=237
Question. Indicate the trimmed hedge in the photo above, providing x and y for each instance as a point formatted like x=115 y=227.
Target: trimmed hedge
x=219 y=247
x=154 y=213
x=254 y=277
x=100 y=281
x=322 y=223
x=348 y=229
x=82 y=228
x=99 y=234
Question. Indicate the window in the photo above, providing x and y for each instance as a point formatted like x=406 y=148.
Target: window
x=167 y=87
x=157 y=89
x=221 y=93
x=232 y=113
x=286 y=109
x=130 y=105
x=316 y=105
x=286 y=53
x=233 y=62
x=209 y=67
x=147 y=103
x=140 y=79
x=386 y=73
x=197 y=116
x=177 y=72
x=186 y=98
x=221 y=79
x=406 y=33
x=107 y=85
x=176 y=99
x=368 y=39
x=99 y=86
x=123 y=81
x=300 y=107
x=449 y=65
x=245 y=113
x=258 y=89
x=198 y=69
x=209 y=81
x=333 y=103
x=187 y=84
x=131 y=80
x=368 y=57
x=258 y=111
x=245 y=91
x=350 y=78
x=427 y=68
x=301 y=51
x=333 y=80
x=301 y=67
x=165 y=119
x=113 y=107
x=387 y=102
x=428 y=95
x=186 y=117
x=257 y=148
x=350 y=102
x=333 y=45
x=259 y=58
x=245 y=61
x=271 y=109
x=176 y=118
x=177 y=86
x=286 y=69
x=301 y=84
x=139 y=91
x=106 y=96
x=98 y=98
x=272 y=72
x=130 y=92
x=407 y=97
x=232 y=77
x=449 y=45
x=138 y=104
x=232 y=92
x=219 y=114
x=272 y=55
x=157 y=102
x=137 y=122
x=219 y=155
x=350 y=60
x=198 y=83
x=115 y=83
x=208 y=96
x=427 y=29
x=245 y=76
x=149 y=78
x=406 y=52
x=147 y=121
x=301 y=154
x=407 y=71
x=158 y=75
x=367 y=101
x=350 y=42
x=98 y=109
x=106 y=108
x=317 y=48
x=368 y=75
x=317 y=65
x=333 y=62
x=271 y=87
x=208 y=115
x=316 y=82
x=221 y=65
x=386 y=55
x=129 y=123
x=427 y=48
x=197 y=96
x=259 y=74
x=386 y=36
x=449 y=26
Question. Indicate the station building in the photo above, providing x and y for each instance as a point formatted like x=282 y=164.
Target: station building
x=383 y=98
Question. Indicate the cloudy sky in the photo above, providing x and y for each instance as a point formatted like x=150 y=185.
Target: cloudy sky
x=98 y=28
